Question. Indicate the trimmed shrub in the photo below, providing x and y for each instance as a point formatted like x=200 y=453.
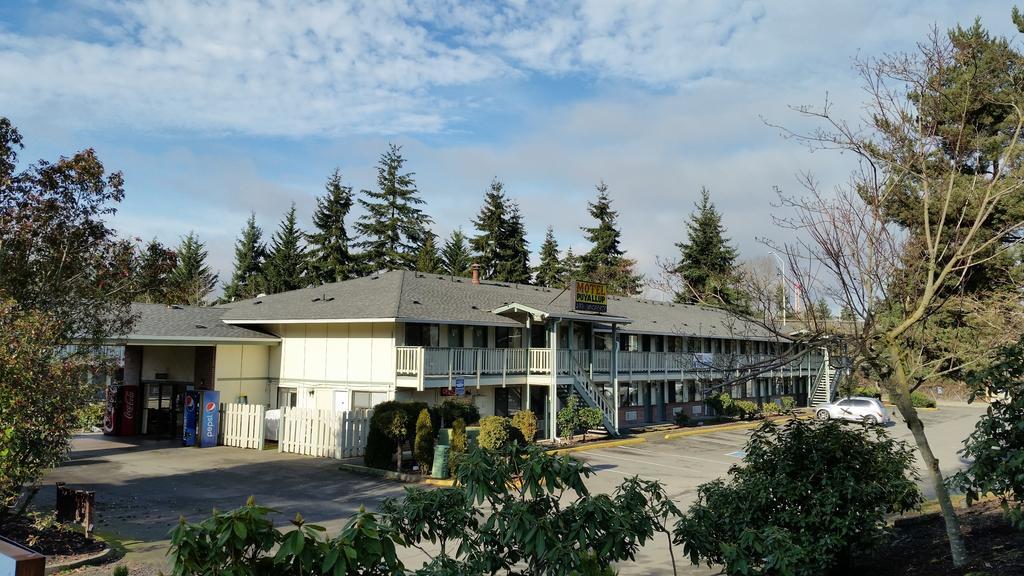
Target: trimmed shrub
x=380 y=449
x=398 y=430
x=799 y=504
x=380 y=446
x=526 y=422
x=451 y=410
x=922 y=400
x=744 y=409
x=682 y=419
x=459 y=445
x=497 y=432
x=569 y=417
x=788 y=403
x=590 y=418
x=721 y=404
x=771 y=409
x=423 y=446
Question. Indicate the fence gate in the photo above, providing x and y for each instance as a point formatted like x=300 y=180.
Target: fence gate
x=244 y=425
x=323 y=433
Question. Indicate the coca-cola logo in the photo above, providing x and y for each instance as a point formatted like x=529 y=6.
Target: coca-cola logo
x=210 y=406
x=129 y=404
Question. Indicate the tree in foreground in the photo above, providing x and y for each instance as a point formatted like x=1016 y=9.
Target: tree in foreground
x=606 y=261
x=996 y=446
x=707 y=269
x=67 y=279
x=799 y=504
x=393 y=227
x=549 y=271
x=286 y=267
x=937 y=197
x=329 y=256
x=250 y=252
x=191 y=281
x=455 y=255
x=152 y=273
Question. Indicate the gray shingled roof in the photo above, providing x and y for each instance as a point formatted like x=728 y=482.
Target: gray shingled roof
x=405 y=295
x=160 y=323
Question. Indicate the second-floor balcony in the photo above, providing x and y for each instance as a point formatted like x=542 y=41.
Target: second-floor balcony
x=419 y=362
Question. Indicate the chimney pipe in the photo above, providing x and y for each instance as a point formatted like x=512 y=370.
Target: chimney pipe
x=476 y=272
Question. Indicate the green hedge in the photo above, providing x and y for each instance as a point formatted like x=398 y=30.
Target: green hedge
x=379 y=448
x=922 y=400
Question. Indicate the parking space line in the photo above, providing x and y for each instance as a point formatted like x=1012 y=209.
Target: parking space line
x=674 y=455
x=659 y=465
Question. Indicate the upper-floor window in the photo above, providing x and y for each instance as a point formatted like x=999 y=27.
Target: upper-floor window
x=508 y=337
x=479 y=336
x=427 y=335
x=455 y=336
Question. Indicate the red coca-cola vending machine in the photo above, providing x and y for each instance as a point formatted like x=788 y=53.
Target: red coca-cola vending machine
x=122 y=413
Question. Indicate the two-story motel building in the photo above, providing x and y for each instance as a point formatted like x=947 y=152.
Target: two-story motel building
x=413 y=336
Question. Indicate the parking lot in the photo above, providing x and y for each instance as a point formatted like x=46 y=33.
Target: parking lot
x=144 y=486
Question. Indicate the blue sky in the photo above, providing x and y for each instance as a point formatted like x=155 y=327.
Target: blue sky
x=213 y=109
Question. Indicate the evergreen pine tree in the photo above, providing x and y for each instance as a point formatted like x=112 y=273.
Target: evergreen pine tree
x=250 y=252
x=329 y=256
x=570 y=269
x=606 y=261
x=286 y=262
x=455 y=255
x=393 y=227
x=707 y=264
x=191 y=281
x=155 y=265
x=515 y=250
x=549 y=272
x=488 y=245
x=427 y=260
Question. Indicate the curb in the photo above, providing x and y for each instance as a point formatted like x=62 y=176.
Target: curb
x=438 y=482
x=378 y=473
x=597 y=446
x=97 y=558
x=725 y=427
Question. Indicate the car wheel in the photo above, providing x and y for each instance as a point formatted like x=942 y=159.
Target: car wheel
x=869 y=420
x=823 y=415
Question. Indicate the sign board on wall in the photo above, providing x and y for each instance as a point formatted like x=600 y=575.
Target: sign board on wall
x=460 y=386
x=589 y=296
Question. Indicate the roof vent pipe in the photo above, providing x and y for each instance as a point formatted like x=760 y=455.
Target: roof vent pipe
x=476 y=272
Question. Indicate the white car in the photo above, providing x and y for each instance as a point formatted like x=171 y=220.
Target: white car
x=857 y=408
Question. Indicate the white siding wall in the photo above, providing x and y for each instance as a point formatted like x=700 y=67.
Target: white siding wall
x=244 y=370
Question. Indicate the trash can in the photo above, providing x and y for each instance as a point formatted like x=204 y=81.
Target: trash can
x=440 y=462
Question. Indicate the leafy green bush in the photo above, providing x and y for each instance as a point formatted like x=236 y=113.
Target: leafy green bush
x=242 y=542
x=721 y=404
x=590 y=418
x=799 y=504
x=459 y=445
x=381 y=446
x=569 y=422
x=423 y=445
x=526 y=422
x=497 y=432
x=682 y=419
x=788 y=403
x=398 y=430
x=744 y=409
x=865 y=391
x=771 y=409
x=452 y=409
x=997 y=443
x=90 y=415
x=380 y=450
x=921 y=400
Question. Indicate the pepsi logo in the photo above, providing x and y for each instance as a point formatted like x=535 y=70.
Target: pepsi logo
x=189 y=401
x=210 y=406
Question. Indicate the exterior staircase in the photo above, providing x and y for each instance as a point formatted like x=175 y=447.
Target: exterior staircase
x=826 y=383
x=591 y=395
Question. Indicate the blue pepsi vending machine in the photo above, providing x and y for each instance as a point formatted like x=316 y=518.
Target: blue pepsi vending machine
x=191 y=413
x=209 y=423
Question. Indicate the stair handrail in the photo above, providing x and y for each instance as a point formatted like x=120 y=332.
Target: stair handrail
x=581 y=381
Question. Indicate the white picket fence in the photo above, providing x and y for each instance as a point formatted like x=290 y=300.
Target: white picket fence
x=243 y=425
x=323 y=433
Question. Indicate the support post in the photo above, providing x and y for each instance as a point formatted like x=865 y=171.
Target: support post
x=529 y=342
x=553 y=385
x=614 y=374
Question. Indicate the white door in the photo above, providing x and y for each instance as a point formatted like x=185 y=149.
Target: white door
x=341 y=401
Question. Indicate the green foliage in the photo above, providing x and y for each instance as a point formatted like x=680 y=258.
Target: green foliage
x=590 y=419
x=798 y=504
x=427 y=258
x=606 y=261
x=286 y=264
x=526 y=422
x=90 y=415
x=121 y=571
x=568 y=418
x=380 y=449
x=771 y=409
x=744 y=409
x=682 y=419
x=397 y=429
x=997 y=443
x=380 y=446
x=330 y=259
x=549 y=271
x=500 y=248
x=459 y=444
x=250 y=252
x=921 y=400
x=393 y=227
x=152 y=273
x=423 y=446
x=497 y=432
x=721 y=404
x=452 y=409
x=191 y=281
x=788 y=403
x=455 y=256
x=707 y=261
x=242 y=542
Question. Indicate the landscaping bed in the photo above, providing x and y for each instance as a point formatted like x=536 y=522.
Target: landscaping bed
x=918 y=546
x=60 y=543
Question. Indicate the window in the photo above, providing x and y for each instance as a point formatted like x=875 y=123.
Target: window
x=455 y=336
x=479 y=337
x=287 y=397
x=506 y=337
x=426 y=335
x=645 y=342
x=538 y=335
x=368 y=399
